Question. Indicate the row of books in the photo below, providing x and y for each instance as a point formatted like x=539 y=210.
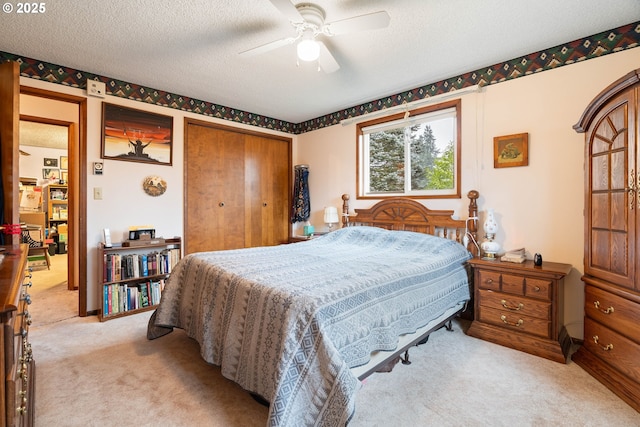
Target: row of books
x=128 y=266
x=121 y=297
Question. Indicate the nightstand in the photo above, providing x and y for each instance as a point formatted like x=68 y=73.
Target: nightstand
x=521 y=306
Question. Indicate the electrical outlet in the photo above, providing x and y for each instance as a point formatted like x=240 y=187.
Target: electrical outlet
x=96 y=88
x=97 y=193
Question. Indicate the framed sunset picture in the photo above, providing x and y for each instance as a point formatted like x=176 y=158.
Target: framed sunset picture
x=136 y=136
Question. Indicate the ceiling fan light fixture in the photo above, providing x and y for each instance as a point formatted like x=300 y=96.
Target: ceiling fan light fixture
x=308 y=50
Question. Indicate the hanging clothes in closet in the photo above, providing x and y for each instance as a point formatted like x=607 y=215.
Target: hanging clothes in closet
x=301 y=203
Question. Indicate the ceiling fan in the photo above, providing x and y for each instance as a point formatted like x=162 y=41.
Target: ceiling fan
x=308 y=21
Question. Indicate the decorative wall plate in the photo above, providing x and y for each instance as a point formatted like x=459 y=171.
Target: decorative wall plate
x=154 y=186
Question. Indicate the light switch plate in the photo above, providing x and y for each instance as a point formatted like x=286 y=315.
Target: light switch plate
x=96 y=88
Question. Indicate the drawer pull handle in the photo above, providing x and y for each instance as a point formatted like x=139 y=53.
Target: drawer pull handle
x=537 y=289
x=488 y=281
x=517 y=324
x=608 y=347
x=518 y=308
x=22 y=410
x=607 y=311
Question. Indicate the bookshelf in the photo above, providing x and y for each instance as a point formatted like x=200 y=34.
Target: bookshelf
x=132 y=277
x=57 y=204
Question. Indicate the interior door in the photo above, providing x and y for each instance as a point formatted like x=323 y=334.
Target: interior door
x=9 y=145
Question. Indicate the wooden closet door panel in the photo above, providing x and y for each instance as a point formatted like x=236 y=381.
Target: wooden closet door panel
x=267 y=190
x=612 y=207
x=214 y=189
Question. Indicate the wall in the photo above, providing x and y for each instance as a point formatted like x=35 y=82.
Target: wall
x=540 y=206
x=124 y=203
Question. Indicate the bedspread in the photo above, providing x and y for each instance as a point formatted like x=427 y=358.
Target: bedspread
x=288 y=322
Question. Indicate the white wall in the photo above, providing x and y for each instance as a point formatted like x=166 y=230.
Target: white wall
x=540 y=206
x=124 y=203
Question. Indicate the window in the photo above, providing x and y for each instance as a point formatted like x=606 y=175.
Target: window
x=415 y=155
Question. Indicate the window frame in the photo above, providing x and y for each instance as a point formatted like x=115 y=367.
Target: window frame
x=360 y=156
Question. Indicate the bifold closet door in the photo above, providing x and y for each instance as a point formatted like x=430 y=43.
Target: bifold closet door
x=237 y=188
x=267 y=191
x=214 y=209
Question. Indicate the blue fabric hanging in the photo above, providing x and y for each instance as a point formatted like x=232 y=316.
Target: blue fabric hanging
x=301 y=203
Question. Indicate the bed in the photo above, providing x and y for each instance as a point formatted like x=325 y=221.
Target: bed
x=300 y=325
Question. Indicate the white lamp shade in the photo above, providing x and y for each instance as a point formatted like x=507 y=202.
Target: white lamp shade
x=490 y=225
x=308 y=50
x=331 y=215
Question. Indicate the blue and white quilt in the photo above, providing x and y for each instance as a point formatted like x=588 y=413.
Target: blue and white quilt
x=288 y=322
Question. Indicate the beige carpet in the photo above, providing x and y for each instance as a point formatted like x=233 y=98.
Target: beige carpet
x=96 y=374
x=53 y=302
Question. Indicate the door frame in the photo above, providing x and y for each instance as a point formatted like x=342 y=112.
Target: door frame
x=77 y=153
x=71 y=129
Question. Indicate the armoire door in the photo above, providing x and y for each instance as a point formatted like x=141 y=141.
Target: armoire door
x=237 y=188
x=612 y=185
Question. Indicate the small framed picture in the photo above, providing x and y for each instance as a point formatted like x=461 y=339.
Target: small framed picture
x=64 y=163
x=511 y=150
x=48 y=173
x=64 y=176
x=50 y=163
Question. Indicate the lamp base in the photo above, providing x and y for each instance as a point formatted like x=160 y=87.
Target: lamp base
x=490 y=256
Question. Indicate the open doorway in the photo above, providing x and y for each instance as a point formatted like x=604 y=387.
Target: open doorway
x=44 y=212
x=64 y=109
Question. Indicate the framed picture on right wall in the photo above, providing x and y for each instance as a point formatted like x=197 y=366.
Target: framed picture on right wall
x=511 y=150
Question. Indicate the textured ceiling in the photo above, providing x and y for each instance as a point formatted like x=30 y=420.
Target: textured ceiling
x=191 y=48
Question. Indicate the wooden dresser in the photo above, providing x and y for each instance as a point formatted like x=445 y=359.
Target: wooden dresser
x=521 y=306
x=611 y=350
x=18 y=390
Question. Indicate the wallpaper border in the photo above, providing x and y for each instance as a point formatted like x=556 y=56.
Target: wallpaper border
x=595 y=46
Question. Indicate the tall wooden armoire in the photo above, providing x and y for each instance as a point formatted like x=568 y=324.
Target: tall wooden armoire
x=237 y=187
x=611 y=350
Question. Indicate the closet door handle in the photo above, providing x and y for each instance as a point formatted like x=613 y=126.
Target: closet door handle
x=221 y=204
x=264 y=204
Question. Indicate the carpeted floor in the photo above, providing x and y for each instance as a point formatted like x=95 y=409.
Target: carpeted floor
x=95 y=374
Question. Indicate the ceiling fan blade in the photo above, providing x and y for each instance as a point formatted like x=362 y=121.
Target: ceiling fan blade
x=370 y=21
x=288 y=9
x=269 y=46
x=326 y=60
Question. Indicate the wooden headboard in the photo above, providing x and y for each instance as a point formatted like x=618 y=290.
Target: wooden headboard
x=401 y=213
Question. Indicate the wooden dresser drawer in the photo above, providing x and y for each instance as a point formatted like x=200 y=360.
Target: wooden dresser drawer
x=512 y=284
x=619 y=314
x=515 y=321
x=538 y=288
x=616 y=350
x=488 y=280
x=515 y=304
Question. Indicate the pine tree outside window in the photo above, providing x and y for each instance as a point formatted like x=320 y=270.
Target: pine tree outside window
x=416 y=156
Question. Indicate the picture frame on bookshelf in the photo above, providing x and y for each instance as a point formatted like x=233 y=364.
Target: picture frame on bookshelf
x=49 y=173
x=134 y=135
x=50 y=163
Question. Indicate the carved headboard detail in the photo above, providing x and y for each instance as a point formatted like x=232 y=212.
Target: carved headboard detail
x=401 y=213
